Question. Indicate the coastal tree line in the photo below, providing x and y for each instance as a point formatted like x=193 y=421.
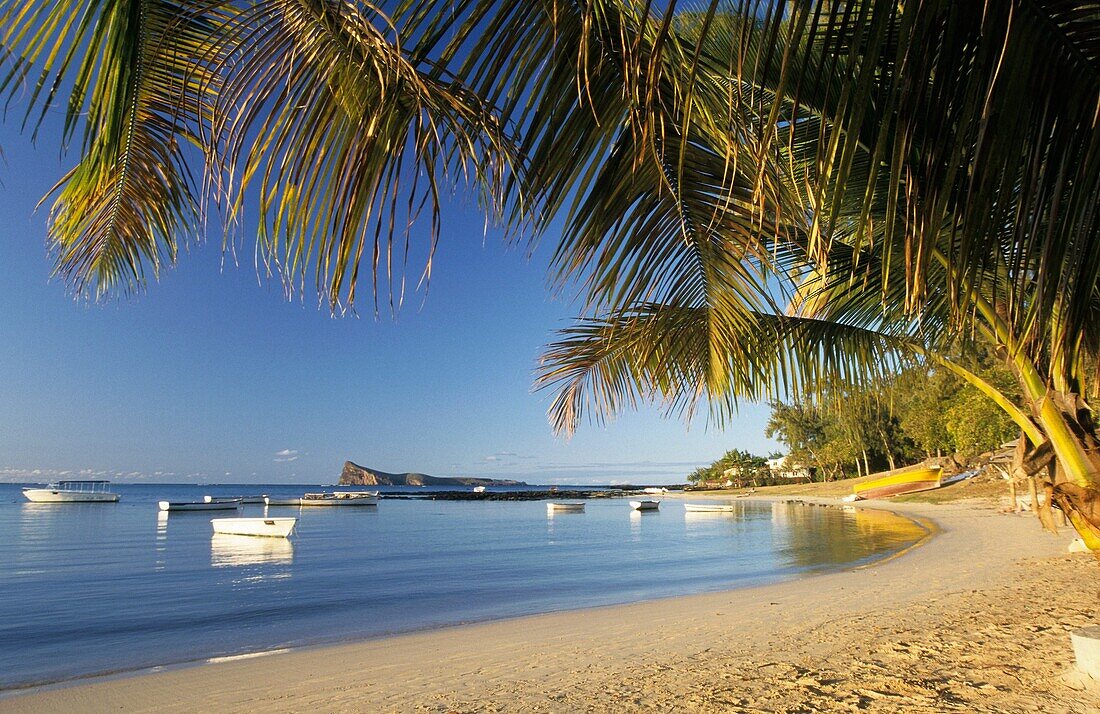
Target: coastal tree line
x=785 y=200
x=923 y=411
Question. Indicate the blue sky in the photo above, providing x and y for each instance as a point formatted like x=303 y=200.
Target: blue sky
x=212 y=375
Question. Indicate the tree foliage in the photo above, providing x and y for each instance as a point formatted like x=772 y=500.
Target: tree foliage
x=735 y=465
x=924 y=411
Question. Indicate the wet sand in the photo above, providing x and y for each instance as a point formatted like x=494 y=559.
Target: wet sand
x=974 y=619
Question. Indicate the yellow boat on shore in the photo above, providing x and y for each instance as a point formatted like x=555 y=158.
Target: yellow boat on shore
x=895 y=484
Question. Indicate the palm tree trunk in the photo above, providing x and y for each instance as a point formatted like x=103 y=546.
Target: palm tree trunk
x=1075 y=486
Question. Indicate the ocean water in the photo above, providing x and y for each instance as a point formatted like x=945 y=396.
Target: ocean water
x=88 y=589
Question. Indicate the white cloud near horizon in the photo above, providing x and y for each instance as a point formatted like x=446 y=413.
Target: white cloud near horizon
x=286 y=455
x=11 y=474
x=507 y=456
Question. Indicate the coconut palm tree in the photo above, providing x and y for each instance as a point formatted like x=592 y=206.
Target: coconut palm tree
x=760 y=198
x=943 y=157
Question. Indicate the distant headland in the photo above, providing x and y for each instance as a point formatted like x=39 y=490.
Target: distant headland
x=356 y=475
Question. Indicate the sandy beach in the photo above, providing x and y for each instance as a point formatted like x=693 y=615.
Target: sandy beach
x=976 y=618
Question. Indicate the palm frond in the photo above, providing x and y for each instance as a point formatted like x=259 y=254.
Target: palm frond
x=672 y=355
x=346 y=142
x=142 y=79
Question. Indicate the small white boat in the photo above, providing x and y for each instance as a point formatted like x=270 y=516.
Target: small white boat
x=564 y=507
x=709 y=507
x=271 y=527
x=198 y=505
x=645 y=505
x=341 y=498
x=655 y=490
x=71 y=492
x=282 y=501
x=238 y=499
x=479 y=489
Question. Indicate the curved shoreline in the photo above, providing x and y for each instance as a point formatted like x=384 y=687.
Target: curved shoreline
x=399 y=672
x=779 y=577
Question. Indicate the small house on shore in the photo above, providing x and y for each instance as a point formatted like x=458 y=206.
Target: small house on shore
x=783 y=467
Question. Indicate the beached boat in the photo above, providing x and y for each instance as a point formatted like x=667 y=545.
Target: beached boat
x=655 y=490
x=709 y=507
x=72 y=492
x=895 y=484
x=282 y=501
x=564 y=507
x=645 y=505
x=198 y=505
x=238 y=499
x=341 y=498
x=271 y=527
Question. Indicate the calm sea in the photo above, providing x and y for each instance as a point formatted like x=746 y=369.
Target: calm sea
x=96 y=588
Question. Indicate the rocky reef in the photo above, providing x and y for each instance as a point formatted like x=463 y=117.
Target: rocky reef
x=356 y=475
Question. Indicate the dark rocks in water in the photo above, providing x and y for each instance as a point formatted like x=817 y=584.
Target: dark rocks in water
x=356 y=475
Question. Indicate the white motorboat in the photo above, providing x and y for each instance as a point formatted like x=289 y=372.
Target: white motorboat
x=564 y=507
x=238 y=499
x=645 y=505
x=657 y=490
x=282 y=501
x=198 y=505
x=270 y=527
x=479 y=489
x=72 y=492
x=709 y=507
x=341 y=498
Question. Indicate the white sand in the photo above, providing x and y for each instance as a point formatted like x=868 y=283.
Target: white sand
x=975 y=619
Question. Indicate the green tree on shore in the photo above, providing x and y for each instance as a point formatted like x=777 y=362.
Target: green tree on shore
x=918 y=413
x=736 y=465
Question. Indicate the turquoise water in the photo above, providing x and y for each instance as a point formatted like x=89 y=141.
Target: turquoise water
x=90 y=589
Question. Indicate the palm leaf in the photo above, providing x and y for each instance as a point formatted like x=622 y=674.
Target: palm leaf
x=671 y=355
x=346 y=141
x=142 y=80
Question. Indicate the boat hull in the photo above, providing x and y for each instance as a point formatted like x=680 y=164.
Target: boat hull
x=48 y=495
x=708 y=508
x=198 y=506
x=340 y=501
x=238 y=499
x=262 y=527
x=564 y=507
x=283 y=502
x=898 y=484
x=645 y=505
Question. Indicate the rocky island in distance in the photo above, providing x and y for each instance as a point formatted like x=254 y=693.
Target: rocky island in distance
x=356 y=475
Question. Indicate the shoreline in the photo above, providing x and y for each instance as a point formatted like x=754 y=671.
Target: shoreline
x=927 y=528
x=526 y=659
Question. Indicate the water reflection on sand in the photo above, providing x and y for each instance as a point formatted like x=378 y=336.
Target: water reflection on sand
x=814 y=536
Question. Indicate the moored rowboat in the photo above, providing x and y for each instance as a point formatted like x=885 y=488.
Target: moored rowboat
x=271 y=527
x=564 y=507
x=198 y=505
x=282 y=501
x=645 y=505
x=922 y=479
x=238 y=499
x=709 y=507
x=341 y=498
